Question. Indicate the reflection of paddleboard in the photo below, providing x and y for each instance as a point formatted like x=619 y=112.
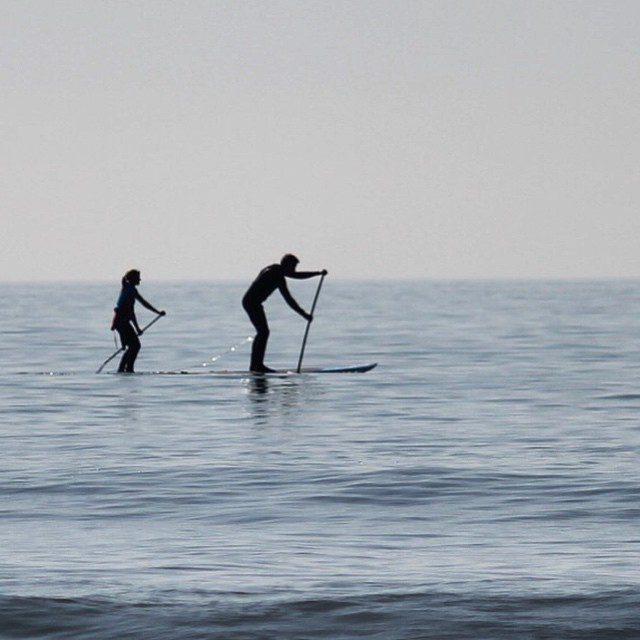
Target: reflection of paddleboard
x=358 y=368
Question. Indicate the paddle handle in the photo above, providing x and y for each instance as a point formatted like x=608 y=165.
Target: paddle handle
x=115 y=353
x=306 y=331
x=146 y=326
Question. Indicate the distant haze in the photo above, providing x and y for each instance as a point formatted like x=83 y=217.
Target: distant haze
x=204 y=139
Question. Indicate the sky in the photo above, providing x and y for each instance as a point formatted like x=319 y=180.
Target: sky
x=201 y=140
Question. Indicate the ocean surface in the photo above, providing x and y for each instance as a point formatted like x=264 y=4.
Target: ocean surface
x=482 y=482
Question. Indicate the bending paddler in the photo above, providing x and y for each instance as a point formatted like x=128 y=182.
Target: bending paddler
x=125 y=321
x=269 y=279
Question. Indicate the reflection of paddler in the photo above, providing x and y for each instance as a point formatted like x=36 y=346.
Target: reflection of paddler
x=268 y=280
x=124 y=319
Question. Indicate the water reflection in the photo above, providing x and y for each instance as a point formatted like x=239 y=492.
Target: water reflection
x=274 y=399
x=258 y=386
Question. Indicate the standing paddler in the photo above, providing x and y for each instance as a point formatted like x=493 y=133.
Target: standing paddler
x=269 y=279
x=125 y=321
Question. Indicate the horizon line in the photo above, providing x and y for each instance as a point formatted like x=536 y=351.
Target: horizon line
x=356 y=279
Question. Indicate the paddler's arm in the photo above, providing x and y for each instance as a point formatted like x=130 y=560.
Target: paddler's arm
x=303 y=275
x=148 y=305
x=284 y=290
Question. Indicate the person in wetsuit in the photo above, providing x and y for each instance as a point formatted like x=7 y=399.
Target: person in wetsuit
x=124 y=319
x=268 y=280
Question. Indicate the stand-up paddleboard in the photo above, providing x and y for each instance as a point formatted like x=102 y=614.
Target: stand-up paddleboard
x=358 y=368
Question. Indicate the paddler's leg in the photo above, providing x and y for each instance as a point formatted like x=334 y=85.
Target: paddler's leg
x=132 y=353
x=259 y=320
x=131 y=346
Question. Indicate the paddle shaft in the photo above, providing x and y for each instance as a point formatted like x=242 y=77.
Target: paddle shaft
x=121 y=349
x=306 y=331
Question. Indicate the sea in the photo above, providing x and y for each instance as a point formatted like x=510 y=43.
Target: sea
x=482 y=482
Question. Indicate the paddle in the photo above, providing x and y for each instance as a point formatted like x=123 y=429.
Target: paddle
x=306 y=333
x=121 y=349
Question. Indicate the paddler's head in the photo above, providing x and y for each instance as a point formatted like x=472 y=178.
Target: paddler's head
x=132 y=277
x=289 y=263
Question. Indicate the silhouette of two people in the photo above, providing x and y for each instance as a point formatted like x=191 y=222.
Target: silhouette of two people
x=268 y=280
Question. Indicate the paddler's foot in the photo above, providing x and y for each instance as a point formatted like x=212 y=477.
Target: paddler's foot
x=262 y=369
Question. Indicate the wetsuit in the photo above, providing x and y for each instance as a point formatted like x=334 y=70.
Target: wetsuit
x=268 y=280
x=124 y=316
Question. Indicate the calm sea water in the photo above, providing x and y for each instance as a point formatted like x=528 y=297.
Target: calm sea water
x=483 y=482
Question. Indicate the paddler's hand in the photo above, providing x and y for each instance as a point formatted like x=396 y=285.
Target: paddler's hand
x=162 y=313
x=324 y=272
x=308 y=317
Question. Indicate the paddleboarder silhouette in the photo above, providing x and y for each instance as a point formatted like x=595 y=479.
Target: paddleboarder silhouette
x=268 y=280
x=124 y=319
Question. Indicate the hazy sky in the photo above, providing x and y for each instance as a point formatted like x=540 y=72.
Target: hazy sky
x=201 y=139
